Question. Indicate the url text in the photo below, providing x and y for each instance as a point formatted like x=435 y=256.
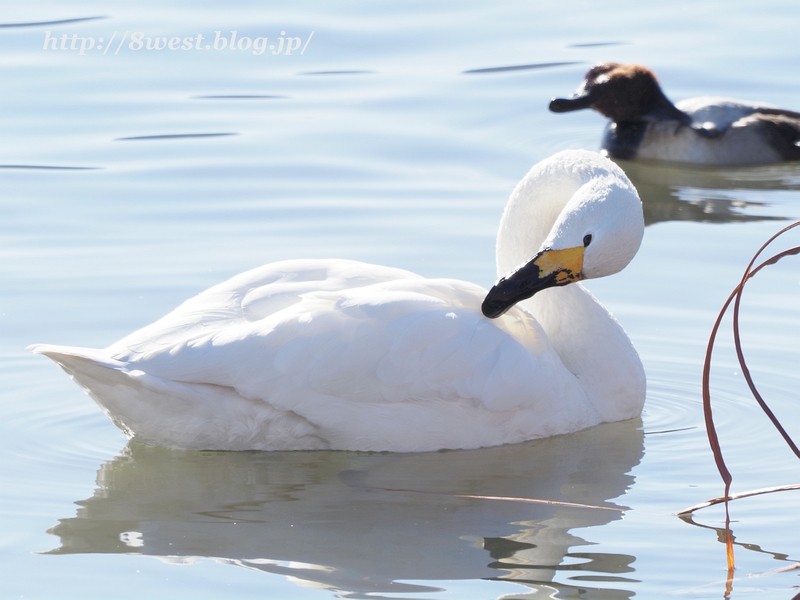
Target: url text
x=284 y=45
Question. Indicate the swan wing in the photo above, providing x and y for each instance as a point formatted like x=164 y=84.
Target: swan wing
x=249 y=297
x=403 y=364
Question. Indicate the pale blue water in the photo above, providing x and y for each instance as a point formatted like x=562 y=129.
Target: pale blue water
x=121 y=198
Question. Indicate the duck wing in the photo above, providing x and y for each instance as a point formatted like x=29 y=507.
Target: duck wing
x=780 y=129
x=713 y=117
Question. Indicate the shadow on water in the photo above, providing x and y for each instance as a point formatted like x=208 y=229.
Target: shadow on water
x=374 y=523
x=707 y=195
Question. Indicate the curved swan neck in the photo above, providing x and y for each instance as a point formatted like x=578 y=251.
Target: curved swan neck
x=536 y=203
x=589 y=341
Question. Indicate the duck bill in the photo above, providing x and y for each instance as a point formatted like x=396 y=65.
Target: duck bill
x=549 y=268
x=577 y=101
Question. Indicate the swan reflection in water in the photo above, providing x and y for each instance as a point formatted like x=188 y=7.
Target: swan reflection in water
x=374 y=523
x=706 y=194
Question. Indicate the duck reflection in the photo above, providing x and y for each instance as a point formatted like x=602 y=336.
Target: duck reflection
x=365 y=523
x=707 y=195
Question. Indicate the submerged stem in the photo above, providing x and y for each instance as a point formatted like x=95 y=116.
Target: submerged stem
x=711 y=431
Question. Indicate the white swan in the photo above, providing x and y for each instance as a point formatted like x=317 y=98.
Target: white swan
x=336 y=354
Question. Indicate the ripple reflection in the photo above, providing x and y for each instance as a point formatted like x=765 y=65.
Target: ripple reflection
x=361 y=523
x=707 y=195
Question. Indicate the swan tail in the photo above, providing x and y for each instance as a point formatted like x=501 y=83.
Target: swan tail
x=73 y=359
x=188 y=416
x=122 y=396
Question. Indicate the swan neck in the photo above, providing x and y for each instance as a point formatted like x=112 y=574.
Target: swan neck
x=533 y=208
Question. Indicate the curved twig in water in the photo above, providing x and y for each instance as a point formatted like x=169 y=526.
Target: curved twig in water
x=721 y=499
x=713 y=439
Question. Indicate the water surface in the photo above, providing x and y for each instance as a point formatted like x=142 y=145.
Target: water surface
x=133 y=179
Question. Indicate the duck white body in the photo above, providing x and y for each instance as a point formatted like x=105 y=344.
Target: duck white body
x=336 y=354
x=744 y=142
x=705 y=131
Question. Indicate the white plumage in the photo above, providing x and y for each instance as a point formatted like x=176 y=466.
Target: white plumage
x=318 y=354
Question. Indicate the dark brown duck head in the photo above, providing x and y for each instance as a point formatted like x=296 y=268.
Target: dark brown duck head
x=623 y=93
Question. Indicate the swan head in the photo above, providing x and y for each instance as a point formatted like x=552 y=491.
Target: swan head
x=596 y=233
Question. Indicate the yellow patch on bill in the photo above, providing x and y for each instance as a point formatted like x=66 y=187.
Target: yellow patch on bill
x=567 y=264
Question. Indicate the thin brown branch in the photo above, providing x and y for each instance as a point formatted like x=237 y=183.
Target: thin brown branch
x=711 y=431
x=737 y=340
x=538 y=501
x=721 y=499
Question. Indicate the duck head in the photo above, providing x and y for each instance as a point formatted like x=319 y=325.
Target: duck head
x=622 y=93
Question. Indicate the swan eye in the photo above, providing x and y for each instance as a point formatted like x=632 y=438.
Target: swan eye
x=587 y=239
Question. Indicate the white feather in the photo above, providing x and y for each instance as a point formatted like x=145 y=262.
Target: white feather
x=314 y=354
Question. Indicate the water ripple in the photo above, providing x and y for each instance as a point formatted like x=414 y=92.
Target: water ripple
x=598 y=44
x=519 y=67
x=173 y=136
x=50 y=167
x=338 y=73
x=239 y=97
x=44 y=23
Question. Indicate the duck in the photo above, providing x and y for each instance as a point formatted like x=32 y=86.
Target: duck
x=646 y=125
x=335 y=354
